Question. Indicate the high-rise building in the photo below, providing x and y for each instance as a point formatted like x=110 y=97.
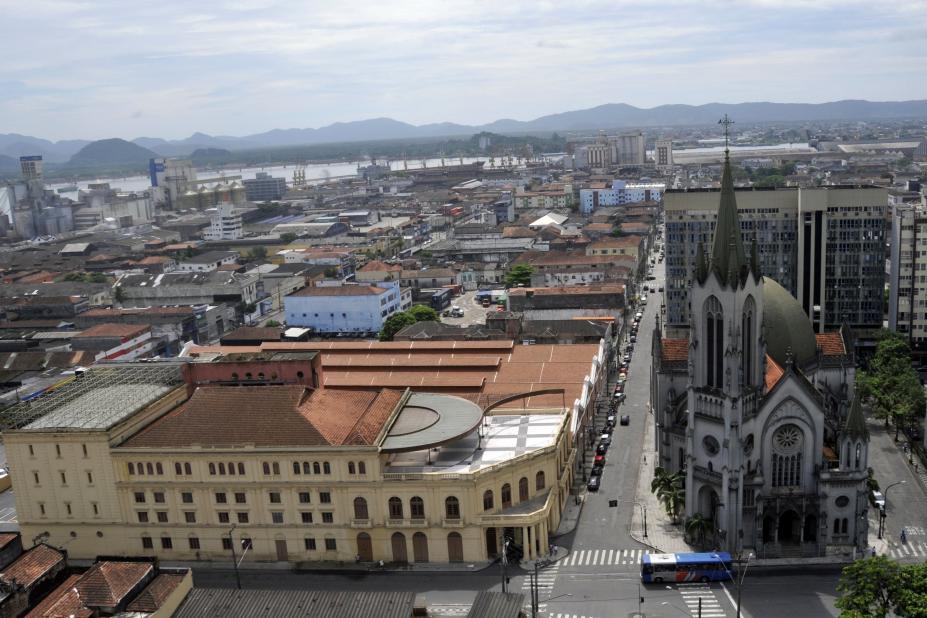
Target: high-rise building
x=663 y=153
x=225 y=224
x=264 y=187
x=172 y=177
x=907 y=301
x=824 y=245
x=31 y=167
x=630 y=147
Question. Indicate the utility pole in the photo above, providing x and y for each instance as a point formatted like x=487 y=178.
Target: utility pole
x=234 y=559
x=536 y=593
x=505 y=562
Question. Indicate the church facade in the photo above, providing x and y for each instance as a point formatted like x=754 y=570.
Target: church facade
x=759 y=412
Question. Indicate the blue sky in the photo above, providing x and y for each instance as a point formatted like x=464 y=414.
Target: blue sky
x=95 y=68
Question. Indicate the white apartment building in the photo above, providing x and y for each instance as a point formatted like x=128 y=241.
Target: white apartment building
x=825 y=245
x=343 y=308
x=224 y=224
x=663 y=153
x=620 y=193
x=907 y=301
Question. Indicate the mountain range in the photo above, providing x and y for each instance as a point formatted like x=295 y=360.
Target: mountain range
x=609 y=116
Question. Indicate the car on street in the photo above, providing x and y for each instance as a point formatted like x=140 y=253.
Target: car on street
x=607 y=429
x=625 y=419
x=651 y=278
x=627 y=357
x=633 y=339
x=611 y=419
x=878 y=499
x=619 y=388
x=605 y=439
x=596 y=471
x=601 y=449
x=594 y=483
x=661 y=289
x=638 y=316
x=599 y=461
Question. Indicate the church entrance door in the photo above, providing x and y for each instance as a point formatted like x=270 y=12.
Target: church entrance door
x=789 y=528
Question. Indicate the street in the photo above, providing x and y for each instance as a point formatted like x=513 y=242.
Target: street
x=474 y=312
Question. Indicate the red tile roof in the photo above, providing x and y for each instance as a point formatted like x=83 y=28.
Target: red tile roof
x=114 y=330
x=271 y=416
x=63 y=601
x=341 y=290
x=831 y=344
x=617 y=241
x=579 y=290
x=774 y=372
x=153 y=596
x=107 y=584
x=6 y=539
x=32 y=565
x=378 y=266
x=675 y=350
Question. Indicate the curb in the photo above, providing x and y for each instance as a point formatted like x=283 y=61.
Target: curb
x=582 y=505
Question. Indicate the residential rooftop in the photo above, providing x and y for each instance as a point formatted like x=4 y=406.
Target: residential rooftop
x=341 y=290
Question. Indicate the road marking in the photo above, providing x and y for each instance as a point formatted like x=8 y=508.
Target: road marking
x=610 y=552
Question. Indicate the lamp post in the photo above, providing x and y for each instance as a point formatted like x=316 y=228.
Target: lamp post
x=882 y=511
x=234 y=558
x=742 y=574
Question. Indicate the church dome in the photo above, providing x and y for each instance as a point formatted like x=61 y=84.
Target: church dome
x=786 y=326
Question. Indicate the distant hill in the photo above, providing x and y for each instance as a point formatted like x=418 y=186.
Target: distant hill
x=609 y=116
x=113 y=152
x=8 y=166
x=16 y=145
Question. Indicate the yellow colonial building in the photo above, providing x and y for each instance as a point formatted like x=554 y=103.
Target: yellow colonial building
x=191 y=459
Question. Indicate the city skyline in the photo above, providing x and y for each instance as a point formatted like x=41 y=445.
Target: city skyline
x=105 y=70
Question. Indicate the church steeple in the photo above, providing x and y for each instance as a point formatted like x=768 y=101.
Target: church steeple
x=855 y=426
x=728 y=258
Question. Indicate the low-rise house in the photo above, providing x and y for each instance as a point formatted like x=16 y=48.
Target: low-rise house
x=429 y=278
x=376 y=271
x=606 y=300
x=208 y=262
x=354 y=309
x=115 y=341
x=210 y=288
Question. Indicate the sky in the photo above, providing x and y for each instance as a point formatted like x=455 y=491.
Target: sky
x=94 y=69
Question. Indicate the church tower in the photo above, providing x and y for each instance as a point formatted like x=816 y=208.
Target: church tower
x=726 y=366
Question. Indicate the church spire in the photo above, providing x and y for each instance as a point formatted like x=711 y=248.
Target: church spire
x=701 y=267
x=856 y=423
x=727 y=252
x=755 y=260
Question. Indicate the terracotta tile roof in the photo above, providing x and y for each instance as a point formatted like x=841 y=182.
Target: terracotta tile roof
x=271 y=416
x=153 y=596
x=774 y=372
x=831 y=344
x=106 y=584
x=517 y=231
x=341 y=290
x=378 y=266
x=155 y=259
x=32 y=565
x=617 y=241
x=598 y=227
x=62 y=601
x=675 y=350
x=114 y=330
x=6 y=539
x=580 y=290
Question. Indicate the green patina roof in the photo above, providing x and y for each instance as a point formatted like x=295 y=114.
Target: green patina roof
x=728 y=258
x=786 y=327
x=856 y=422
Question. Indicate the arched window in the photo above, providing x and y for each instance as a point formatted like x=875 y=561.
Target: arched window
x=231 y=468
x=506 y=496
x=316 y=467
x=539 y=481
x=326 y=468
x=188 y=469
x=452 y=508
x=859 y=454
x=221 y=468
x=747 y=342
x=149 y=468
x=351 y=468
x=306 y=468
x=837 y=526
x=131 y=468
x=177 y=468
x=523 y=489
x=261 y=377
x=276 y=468
x=843 y=526
x=212 y=469
x=159 y=468
x=234 y=377
x=714 y=342
x=395 y=508
x=417 y=508
x=360 y=508
x=361 y=468
x=141 y=467
x=266 y=467
x=295 y=467
x=487 y=500
x=241 y=469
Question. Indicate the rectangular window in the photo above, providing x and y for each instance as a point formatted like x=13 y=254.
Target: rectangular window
x=67 y=507
x=328 y=517
x=275 y=497
x=58 y=451
x=223 y=517
x=186 y=497
x=159 y=497
x=143 y=517
x=140 y=497
x=89 y=478
x=42 y=509
x=240 y=498
x=325 y=497
x=31 y=451
x=306 y=517
x=194 y=542
x=64 y=478
x=96 y=508
x=304 y=497
x=189 y=517
x=35 y=477
x=310 y=544
x=243 y=517
x=84 y=448
x=226 y=543
x=331 y=545
x=166 y=543
x=276 y=517
x=220 y=497
x=147 y=543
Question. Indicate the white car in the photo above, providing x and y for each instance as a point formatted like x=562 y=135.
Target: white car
x=879 y=499
x=638 y=316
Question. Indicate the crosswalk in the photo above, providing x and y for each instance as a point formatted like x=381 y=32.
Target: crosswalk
x=597 y=557
x=8 y=516
x=560 y=615
x=908 y=550
x=692 y=594
x=547 y=577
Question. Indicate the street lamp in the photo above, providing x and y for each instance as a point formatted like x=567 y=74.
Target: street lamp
x=882 y=511
x=234 y=559
x=742 y=573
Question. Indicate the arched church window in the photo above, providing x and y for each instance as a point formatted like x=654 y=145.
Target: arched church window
x=747 y=342
x=711 y=445
x=748 y=444
x=786 y=458
x=714 y=342
x=859 y=454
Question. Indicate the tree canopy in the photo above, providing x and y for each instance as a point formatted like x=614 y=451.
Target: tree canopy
x=422 y=313
x=875 y=587
x=891 y=384
x=519 y=274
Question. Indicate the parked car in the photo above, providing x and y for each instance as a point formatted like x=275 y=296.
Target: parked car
x=611 y=419
x=619 y=388
x=598 y=461
x=605 y=439
x=601 y=449
x=596 y=471
x=625 y=419
x=607 y=429
x=878 y=499
x=633 y=339
x=661 y=288
x=594 y=483
x=627 y=357
x=638 y=316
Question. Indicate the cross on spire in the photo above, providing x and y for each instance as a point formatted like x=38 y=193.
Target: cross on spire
x=727 y=122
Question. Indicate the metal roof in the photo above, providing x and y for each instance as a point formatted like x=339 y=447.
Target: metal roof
x=230 y=603
x=431 y=420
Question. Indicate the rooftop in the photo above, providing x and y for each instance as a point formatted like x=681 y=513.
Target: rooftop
x=579 y=290
x=32 y=565
x=831 y=344
x=210 y=257
x=63 y=601
x=113 y=330
x=153 y=596
x=341 y=290
x=108 y=583
x=232 y=603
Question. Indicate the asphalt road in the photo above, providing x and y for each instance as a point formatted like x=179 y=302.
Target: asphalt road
x=474 y=313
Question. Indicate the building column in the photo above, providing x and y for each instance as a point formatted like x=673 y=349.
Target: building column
x=527 y=543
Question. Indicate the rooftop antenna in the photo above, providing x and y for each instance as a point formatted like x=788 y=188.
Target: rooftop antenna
x=727 y=122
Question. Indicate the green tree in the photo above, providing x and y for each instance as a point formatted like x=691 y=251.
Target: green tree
x=74 y=277
x=773 y=180
x=423 y=313
x=96 y=278
x=891 y=384
x=258 y=253
x=868 y=587
x=697 y=527
x=272 y=323
x=911 y=594
x=119 y=295
x=288 y=237
x=519 y=274
x=669 y=489
x=396 y=323
x=188 y=252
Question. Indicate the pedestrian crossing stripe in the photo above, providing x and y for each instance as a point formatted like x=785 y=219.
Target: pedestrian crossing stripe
x=546 y=579
x=710 y=606
x=604 y=557
x=908 y=550
x=560 y=615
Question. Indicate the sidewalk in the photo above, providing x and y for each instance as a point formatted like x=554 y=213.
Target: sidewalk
x=571 y=512
x=334 y=567
x=546 y=560
x=661 y=535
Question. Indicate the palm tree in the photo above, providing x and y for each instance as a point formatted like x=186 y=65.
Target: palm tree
x=669 y=489
x=697 y=527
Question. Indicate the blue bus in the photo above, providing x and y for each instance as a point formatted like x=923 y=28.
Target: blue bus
x=687 y=567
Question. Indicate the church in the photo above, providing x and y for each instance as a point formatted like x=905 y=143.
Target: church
x=758 y=412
